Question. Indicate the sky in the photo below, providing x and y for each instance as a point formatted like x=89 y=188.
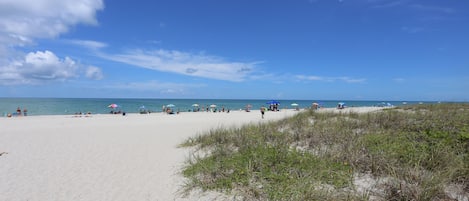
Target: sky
x=409 y=50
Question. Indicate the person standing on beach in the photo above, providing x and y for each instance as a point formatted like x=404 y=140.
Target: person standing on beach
x=262 y=111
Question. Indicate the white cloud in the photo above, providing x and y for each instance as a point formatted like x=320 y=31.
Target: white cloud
x=310 y=78
x=330 y=79
x=45 y=18
x=89 y=44
x=352 y=80
x=94 y=73
x=37 y=67
x=197 y=65
x=24 y=21
x=40 y=67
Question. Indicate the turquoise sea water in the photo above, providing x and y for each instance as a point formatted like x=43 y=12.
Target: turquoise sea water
x=64 y=106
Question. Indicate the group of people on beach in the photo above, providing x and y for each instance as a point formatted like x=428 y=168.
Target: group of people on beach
x=18 y=112
x=79 y=114
x=274 y=107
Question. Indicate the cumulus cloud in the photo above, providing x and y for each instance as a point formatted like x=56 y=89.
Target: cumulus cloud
x=197 y=65
x=24 y=21
x=36 y=67
x=330 y=79
x=44 y=66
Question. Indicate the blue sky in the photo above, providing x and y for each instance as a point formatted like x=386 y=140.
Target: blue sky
x=263 y=49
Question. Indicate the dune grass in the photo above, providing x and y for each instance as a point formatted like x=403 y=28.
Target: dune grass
x=417 y=152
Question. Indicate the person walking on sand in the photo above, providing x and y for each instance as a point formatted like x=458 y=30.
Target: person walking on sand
x=262 y=111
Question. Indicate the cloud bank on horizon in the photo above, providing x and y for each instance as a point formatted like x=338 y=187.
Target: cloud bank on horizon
x=312 y=49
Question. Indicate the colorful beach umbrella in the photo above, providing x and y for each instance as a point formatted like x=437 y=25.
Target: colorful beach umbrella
x=113 y=106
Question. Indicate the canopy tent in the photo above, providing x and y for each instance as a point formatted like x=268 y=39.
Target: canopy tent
x=273 y=102
x=341 y=105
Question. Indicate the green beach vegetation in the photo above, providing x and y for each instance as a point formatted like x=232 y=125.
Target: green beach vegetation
x=415 y=152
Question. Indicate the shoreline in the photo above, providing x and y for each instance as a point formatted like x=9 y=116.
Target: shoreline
x=70 y=106
x=359 y=109
x=106 y=156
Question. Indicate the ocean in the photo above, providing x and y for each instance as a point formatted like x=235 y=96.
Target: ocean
x=66 y=106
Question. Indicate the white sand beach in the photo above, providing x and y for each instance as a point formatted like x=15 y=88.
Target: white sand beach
x=106 y=157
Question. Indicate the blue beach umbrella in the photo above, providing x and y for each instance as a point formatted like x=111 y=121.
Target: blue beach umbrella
x=273 y=102
x=341 y=105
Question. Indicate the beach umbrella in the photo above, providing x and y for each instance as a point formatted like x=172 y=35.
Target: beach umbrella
x=294 y=104
x=213 y=105
x=248 y=106
x=195 y=105
x=112 y=106
x=341 y=105
x=170 y=105
x=273 y=102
